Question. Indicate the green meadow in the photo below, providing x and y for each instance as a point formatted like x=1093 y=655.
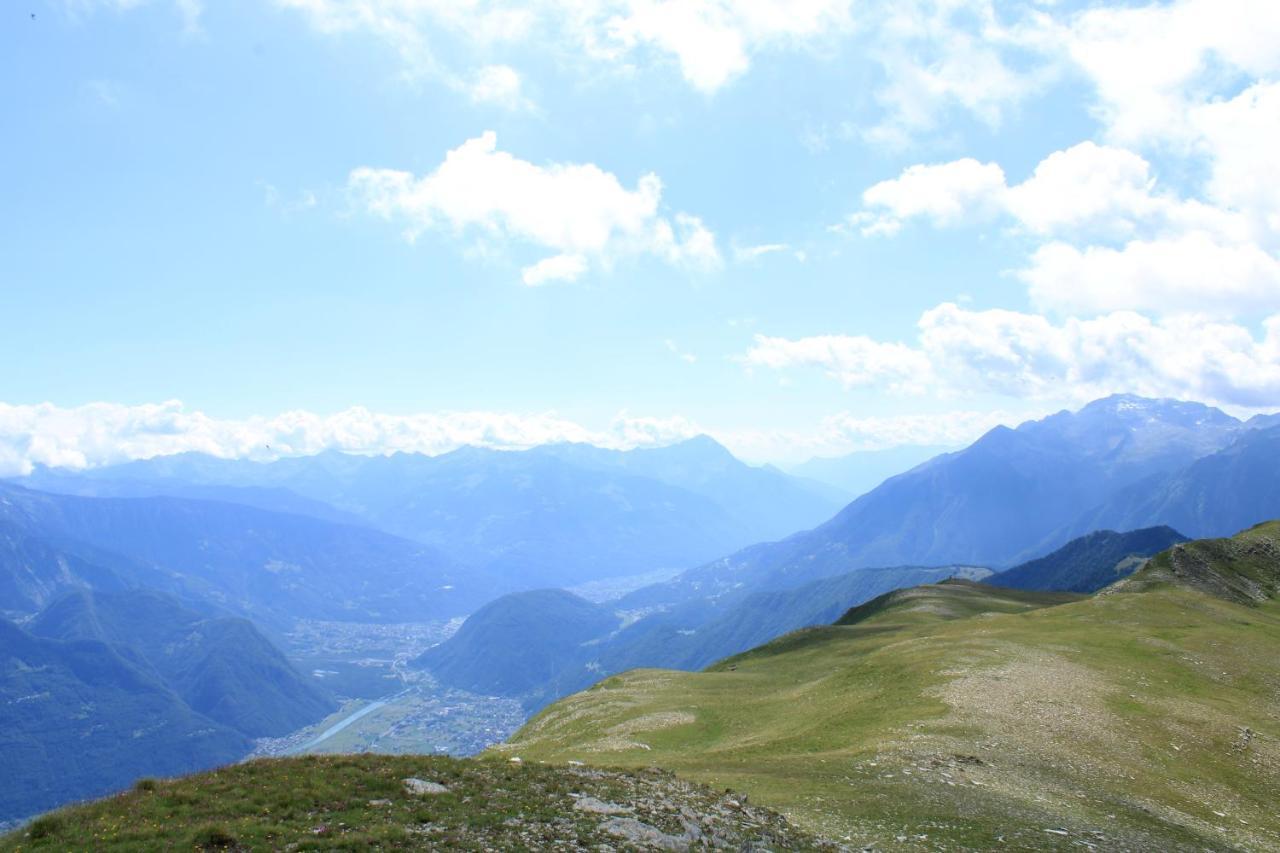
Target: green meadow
x=961 y=716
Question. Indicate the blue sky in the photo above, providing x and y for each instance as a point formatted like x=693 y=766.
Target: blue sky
x=804 y=227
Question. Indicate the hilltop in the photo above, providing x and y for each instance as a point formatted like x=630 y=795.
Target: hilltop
x=962 y=716
x=410 y=803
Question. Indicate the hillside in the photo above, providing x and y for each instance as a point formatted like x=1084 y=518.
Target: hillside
x=1244 y=569
x=521 y=644
x=1228 y=490
x=34 y=571
x=538 y=646
x=961 y=716
x=412 y=803
x=1089 y=563
x=222 y=668
x=103 y=687
x=79 y=719
x=272 y=567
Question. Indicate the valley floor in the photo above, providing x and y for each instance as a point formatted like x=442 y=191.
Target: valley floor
x=389 y=707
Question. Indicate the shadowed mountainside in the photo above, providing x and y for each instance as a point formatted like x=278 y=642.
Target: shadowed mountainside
x=1091 y=562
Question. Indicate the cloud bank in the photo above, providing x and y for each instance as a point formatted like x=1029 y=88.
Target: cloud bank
x=1009 y=353
x=100 y=434
x=108 y=433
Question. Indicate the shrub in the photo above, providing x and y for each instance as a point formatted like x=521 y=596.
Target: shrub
x=45 y=827
x=214 y=838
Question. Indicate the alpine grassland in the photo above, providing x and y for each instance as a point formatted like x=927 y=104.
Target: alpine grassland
x=961 y=716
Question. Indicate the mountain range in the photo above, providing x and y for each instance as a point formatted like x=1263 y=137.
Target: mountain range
x=191 y=546
x=1119 y=463
x=1010 y=497
x=559 y=514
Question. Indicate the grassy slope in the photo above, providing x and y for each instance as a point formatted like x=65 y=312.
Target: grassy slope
x=360 y=802
x=1147 y=720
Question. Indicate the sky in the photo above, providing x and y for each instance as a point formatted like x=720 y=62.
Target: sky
x=804 y=227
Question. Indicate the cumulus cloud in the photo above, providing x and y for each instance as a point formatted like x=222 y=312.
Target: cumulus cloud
x=578 y=211
x=941 y=55
x=1113 y=237
x=711 y=42
x=1240 y=136
x=945 y=193
x=1151 y=64
x=1192 y=272
x=1087 y=190
x=1028 y=356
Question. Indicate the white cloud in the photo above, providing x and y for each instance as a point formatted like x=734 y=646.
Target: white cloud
x=1087 y=190
x=500 y=85
x=107 y=433
x=1113 y=238
x=1241 y=136
x=579 y=211
x=747 y=254
x=942 y=54
x=1028 y=356
x=711 y=41
x=945 y=193
x=1150 y=64
x=567 y=267
x=100 y=434
x=853 y=360
x=1186 y=273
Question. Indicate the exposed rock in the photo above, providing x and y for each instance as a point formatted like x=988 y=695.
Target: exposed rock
x=591 y=804
x=643 y=835
x=423 y=788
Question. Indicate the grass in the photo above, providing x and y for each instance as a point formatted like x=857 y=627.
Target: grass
x=357 y=802
x=953 y=715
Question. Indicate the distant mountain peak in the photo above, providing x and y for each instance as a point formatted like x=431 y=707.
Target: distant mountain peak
x=702 y=443
x=1161 y=408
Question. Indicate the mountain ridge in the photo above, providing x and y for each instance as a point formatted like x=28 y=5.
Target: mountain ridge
x=962 y=716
